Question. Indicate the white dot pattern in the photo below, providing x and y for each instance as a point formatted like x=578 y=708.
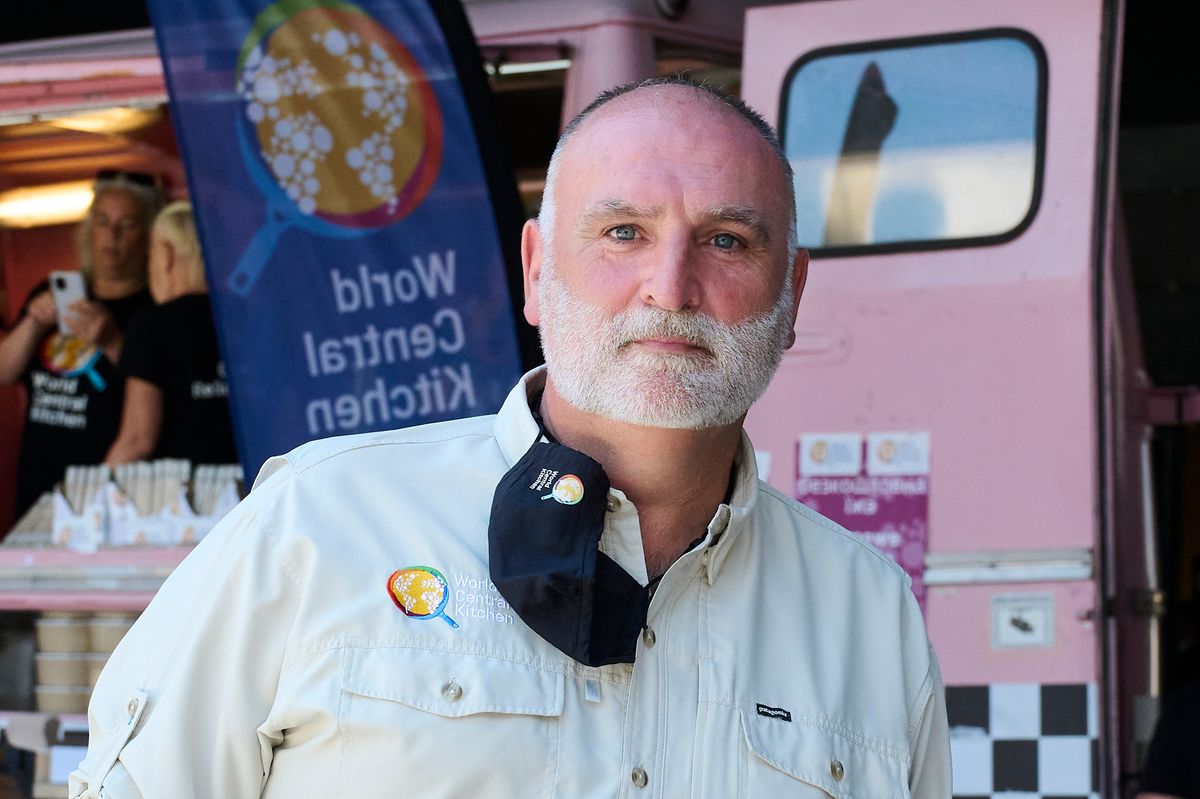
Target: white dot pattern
x=297 y=144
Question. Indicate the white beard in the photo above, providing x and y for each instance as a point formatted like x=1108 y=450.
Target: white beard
x=594 y=369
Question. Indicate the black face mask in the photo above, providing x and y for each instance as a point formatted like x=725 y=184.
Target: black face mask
x=543 y=537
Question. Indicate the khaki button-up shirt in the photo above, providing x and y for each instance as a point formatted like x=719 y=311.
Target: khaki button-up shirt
x=782 y=655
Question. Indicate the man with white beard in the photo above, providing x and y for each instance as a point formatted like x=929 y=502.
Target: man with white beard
x=590 y=594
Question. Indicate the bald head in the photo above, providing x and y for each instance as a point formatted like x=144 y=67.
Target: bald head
x=666 y=290
x=656 y=96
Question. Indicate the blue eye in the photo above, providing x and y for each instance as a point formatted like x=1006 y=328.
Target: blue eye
x=623 y=233
x=725 y=241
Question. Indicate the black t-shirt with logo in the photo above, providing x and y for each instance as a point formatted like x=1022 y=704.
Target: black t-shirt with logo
x=75 y=396
x=174 y=346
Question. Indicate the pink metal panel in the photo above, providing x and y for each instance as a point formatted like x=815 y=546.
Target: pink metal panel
x=991 y=349
x=63 y=85
x=82 y=581
x=959 y=627
x=1168 y=406
x=609 y=41
x=131 y=558
x=546 y=20
x=91 y=601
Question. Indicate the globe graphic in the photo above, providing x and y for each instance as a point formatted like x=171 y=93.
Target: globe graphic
x=418 y=592
x=343 y=117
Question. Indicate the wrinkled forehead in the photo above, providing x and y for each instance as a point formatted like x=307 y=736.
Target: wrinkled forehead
x=679 y=134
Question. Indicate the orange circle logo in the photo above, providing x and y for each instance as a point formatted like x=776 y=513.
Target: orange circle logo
x=345 y=118
x=567 y=490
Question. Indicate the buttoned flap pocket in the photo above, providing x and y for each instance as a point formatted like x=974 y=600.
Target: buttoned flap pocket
x=452 y=684
x=786 y=752
x=492 y=723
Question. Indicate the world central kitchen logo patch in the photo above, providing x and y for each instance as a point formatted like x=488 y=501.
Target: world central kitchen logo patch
x=420 y=592
x=423 y=592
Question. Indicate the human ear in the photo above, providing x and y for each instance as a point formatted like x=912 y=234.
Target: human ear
x=531 y=268
x=799 y=279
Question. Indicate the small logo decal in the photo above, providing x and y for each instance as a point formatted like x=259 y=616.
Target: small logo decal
x=568 y=490
x=420 y=592
x=773 y=712
x=71 y=356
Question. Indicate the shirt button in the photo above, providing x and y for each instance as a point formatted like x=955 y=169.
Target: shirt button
x=613 y=503
x=452 y=691
x=648 y=636
x=639 y=777
x=837 y=770
x=132 y=707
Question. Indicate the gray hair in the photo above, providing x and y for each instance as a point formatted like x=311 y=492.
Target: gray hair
x=549 y=205
x=149 y=200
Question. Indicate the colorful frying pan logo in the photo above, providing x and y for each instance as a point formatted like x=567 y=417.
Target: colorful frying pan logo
x=567 y=490
x=420 y=592
x=339 y=127
x=71 y=356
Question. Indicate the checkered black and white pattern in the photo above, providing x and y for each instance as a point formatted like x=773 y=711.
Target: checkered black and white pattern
x=1024 y=741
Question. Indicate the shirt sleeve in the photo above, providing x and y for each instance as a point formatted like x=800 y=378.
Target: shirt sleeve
x=929 y=776
x=179 y=709
x=140 y=354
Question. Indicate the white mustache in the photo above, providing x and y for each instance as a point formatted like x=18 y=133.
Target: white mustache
x=698 y=330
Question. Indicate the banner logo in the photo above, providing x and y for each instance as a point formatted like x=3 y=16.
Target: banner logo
x=340 y=131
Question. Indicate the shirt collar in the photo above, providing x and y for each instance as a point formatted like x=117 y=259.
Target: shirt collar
x=515 y=427
x=733 y=518
x=516 y=431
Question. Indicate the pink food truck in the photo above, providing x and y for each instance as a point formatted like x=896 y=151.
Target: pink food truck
x=987 y=383
x=996 y=357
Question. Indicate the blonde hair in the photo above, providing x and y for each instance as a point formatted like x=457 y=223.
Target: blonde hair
x=176 y=224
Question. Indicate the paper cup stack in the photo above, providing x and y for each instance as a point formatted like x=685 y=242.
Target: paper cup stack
x=72 y=650
x=62 y=647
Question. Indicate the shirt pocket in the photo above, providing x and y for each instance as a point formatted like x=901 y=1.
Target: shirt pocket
x=446 y=724
x=801 y=759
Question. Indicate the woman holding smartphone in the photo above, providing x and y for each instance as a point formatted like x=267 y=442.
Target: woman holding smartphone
x=74 y=390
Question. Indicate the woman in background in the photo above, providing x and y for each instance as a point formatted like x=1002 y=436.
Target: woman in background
x=74 y=390
x=175 y=394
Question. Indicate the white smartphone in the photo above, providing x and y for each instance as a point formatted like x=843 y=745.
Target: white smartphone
x=66 y=288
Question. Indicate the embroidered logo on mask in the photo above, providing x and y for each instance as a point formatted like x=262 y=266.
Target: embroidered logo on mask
x=544 y=557
x=421 y=592
x=568 y=490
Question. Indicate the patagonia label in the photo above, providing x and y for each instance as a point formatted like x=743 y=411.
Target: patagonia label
x=773 y=712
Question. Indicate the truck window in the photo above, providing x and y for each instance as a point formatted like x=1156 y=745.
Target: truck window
x=916 y=144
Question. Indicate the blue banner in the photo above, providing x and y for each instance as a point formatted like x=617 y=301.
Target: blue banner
x=344 y=207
